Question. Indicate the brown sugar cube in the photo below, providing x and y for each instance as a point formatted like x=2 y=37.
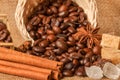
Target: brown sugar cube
x=110 y=41
x=111 y=54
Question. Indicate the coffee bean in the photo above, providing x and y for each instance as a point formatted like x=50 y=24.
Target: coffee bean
x=80 y=71
x=63 y=14
x=61 y=44
x=56 y=29
x=49 y=32
x=75 y=55
x=97 y=50
x=75 y=62
x=51 y=38
x=73 y=9
x=65 y=60
x=67 y=73
x=44 y=43
x=2 y=26
x=58 y=51
x=68 y=66
x=72 y=49
x=54 y=9
x=74 y=14
x=38 y=49
x=35 y=20
x=63 y=8
x=71 y=29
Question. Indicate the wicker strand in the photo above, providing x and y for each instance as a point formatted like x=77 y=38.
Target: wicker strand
x=25 y=7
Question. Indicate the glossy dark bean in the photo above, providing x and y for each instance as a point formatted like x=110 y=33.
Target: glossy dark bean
x=68 y=73
x=75 y=55
x=71 y=29
x=61 y=44
x=56 y=29
x=51 y=38
x=75 y=62
x=38 y=49
x=68 y=66
x=97 y=50
x=63 y=8
x=65 y=60
x=2 y=26
x=44 y=43
x=63 y=14
x=80 y=71
x=72 y=49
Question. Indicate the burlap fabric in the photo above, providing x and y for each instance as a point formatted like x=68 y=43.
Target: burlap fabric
x=108 y=20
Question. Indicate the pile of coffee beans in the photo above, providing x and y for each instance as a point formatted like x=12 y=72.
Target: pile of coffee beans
x=4 y=33
x=51 y=26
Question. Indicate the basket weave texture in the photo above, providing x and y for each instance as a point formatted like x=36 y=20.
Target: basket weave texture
x=25 y=8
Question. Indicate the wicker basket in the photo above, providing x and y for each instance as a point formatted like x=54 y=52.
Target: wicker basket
x=25 y=8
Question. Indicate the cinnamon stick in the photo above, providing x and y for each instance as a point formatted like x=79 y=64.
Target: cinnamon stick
x=24 y=73
x=19 y=57
x=25 y=67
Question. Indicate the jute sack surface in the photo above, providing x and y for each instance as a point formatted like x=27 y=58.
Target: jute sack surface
x=108 y=20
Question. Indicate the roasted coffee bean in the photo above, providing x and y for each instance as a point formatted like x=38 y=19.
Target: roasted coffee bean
x=81 y=46
x=87 y=50
x=57 y=23
x=36 y=53
x=51 y=38
x=89 y=55
x=54 y=9
x=63 y=8
x=72 y=49
x=81 y=62
x=80 y=71
x=82 y=52
x=56 y=29
x=68 y=3
x=69 y=43
x=63 y=14
x=67 y=73
x=65 y=60
x=35 y=20
x=70 y=38
x=68 y=66
x=3 y=35
x=75 y=55
x=50 y=32
x=61 y=44
x=33 y=34
x=87 y=64
x=48 y=52
x=82 y=17
x=44 y=43
x=75 y=62
x=58 y=51
x=73 y=18
x=71 y=29
x=38 y=49
x=2 y=26
x=49 y=11
x=73 y=9
x=8 y=39
x=74 y=14
x=59 y=57
x=29 y=27
x=86 y=60
x=66 y=19
x=97 y=50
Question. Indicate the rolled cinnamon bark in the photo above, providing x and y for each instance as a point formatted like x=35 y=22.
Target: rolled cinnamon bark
x=25 y=73
x=25 y=67
x=19 y=57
